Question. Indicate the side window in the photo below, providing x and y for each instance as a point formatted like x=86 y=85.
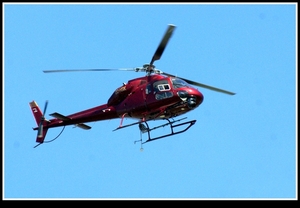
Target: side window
x=162 y=90
x=163 y=95
x=162 y=85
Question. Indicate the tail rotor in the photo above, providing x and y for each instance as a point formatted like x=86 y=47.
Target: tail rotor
x=40 y=120
x=40 y=130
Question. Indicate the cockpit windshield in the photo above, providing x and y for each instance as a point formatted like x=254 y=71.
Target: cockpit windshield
x=178 y=83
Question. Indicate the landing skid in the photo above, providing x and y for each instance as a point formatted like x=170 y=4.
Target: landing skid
x=145 y=129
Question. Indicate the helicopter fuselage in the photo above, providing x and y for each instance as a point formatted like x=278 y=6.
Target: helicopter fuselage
x=146 y=98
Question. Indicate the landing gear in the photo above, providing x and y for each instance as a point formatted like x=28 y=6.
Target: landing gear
x=144 y=128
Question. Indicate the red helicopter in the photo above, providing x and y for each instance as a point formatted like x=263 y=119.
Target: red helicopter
x=156 y=96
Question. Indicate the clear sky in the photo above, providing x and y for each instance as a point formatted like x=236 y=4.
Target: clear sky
x=241 y=147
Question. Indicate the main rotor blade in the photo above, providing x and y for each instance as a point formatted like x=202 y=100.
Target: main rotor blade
x=201 y=85
x=163 y=43
x=81 y=70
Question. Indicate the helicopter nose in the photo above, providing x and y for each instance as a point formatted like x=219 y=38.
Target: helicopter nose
x=195 y=98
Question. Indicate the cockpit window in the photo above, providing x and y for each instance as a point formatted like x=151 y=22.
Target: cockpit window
x=178 y=83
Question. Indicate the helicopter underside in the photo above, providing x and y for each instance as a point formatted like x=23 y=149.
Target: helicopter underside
x=164 y=112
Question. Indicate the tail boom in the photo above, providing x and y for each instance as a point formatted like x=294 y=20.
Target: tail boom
x=98 y=113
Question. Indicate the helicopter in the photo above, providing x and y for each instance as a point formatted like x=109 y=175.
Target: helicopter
x=156 y=96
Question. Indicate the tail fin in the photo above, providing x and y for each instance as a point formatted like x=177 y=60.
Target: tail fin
x=40 y=121
x=37 y=113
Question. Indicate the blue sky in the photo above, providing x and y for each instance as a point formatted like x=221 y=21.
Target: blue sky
x=241 y=147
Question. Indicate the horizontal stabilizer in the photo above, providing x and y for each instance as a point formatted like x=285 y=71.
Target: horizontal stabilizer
x=65 y=118
x=59 y=116
x=83 y=126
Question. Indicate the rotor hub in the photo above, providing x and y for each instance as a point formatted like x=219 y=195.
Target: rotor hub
x=149 y=68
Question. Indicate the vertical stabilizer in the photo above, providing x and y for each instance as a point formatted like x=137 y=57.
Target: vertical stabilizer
x=37 y=113
x=40 y=121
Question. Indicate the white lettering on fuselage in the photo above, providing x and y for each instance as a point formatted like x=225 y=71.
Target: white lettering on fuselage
x=105 y=110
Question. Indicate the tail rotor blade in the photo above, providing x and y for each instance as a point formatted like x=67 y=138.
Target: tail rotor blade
x=40 y=130
x=45 y=108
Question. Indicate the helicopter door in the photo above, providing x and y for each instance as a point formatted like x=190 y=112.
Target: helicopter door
x=157 y=91
x=148 y=95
